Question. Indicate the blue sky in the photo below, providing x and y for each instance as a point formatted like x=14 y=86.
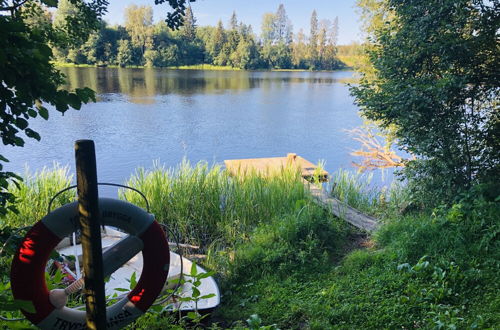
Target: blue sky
x=208 y=12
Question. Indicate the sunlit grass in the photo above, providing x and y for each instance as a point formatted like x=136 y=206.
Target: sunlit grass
x=356 y=190
x=34 y=193
x=205 y=67
x=204 y=204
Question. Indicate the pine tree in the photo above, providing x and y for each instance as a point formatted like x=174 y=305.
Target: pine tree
x=233 y=22
x=282 y=26
x=313 y=40
x=189 y=28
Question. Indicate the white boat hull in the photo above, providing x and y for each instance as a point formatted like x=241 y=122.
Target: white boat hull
x=120 y=279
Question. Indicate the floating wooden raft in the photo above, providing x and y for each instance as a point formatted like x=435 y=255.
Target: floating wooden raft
x=268 y=166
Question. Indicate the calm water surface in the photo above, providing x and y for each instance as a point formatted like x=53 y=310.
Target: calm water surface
x=143 y=115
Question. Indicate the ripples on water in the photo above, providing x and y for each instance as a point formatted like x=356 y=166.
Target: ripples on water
x=143 y=115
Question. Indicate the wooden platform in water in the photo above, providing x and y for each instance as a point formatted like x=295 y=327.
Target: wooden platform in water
x=274 y=165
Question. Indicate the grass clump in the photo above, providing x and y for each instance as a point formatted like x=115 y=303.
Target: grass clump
x=34 y=193
x=356 y=190
x=206 y=67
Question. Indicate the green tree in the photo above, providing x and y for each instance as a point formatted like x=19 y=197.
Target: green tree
x=189 y=28
x=299 y=51
x=139 y=25
x=217 y=41
x=267 y=28
x=170 y=55
x=233 y=21
x=313 y=40
x=124 y=56
x=28 y=80
x=435 y=79
x=282 y=26
x=276 y=37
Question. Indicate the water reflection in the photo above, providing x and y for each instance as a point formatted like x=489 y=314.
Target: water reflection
x=142 y=85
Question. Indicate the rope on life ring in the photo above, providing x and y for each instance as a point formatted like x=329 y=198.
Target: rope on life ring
x=28 y=267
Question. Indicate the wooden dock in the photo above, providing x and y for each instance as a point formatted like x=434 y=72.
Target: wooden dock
x=274 y=165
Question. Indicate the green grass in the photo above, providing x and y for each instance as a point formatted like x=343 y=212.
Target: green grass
x=205 y=67
x=356 y=190
x=426 y=271
x=34 y=193
x=204 y=205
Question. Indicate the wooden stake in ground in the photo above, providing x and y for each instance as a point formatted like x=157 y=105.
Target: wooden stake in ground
x=88 y=207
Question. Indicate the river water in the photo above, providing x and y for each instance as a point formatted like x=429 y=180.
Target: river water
x=146 y=115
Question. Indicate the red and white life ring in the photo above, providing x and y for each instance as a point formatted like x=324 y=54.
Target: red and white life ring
x=28 y=266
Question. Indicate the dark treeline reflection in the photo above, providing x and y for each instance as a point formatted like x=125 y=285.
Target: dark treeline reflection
x=141 y=85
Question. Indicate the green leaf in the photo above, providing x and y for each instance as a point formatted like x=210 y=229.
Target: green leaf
x=133 y=281
x=32 y=134
x=208 y=296
x=192 y=315
x=44 y=113
x=196 y=292
x=74 y=101
x=194 y=270
x=121 y=289
x=21 y=123
x=32 y=113
x=25 y=305
x=205 y=275
x=185 y=299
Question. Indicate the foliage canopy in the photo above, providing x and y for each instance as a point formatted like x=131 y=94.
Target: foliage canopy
x=28 y=79
x=435 y=78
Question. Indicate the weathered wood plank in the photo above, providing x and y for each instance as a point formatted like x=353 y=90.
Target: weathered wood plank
x=273 y=165
x=342 y=210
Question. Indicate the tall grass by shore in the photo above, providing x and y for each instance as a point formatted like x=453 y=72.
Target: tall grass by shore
x=203 y=204
x=357 y=190
x=34 y=193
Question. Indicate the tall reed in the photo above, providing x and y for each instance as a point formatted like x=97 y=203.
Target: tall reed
x=356 y=190
x=203 y=203
x=34 y=193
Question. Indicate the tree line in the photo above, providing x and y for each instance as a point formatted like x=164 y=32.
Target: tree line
x=141 y=42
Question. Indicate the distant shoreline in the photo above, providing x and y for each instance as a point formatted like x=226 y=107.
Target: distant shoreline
x=208 y=67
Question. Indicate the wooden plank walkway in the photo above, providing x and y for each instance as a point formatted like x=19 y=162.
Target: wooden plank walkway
x=269 y=166
x=342 y=210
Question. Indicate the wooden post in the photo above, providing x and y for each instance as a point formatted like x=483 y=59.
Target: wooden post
x=88 y=209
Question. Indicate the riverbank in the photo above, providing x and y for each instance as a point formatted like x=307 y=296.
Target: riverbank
x=280 y=259
x=193 y=67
